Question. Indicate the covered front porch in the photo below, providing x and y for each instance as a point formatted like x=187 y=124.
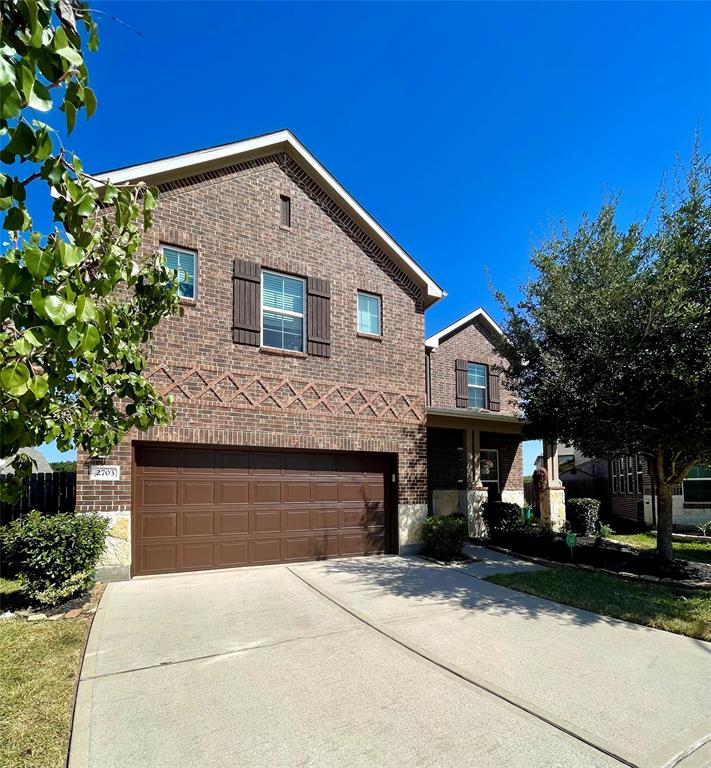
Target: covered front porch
x=474 y=457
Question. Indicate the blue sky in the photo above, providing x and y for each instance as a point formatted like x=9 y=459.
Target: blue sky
x=467 y=130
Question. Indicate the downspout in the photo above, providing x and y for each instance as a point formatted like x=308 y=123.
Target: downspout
x=428 y=381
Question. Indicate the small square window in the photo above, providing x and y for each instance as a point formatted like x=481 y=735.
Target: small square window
x=369 y=314
x=183 y=262
x=285 y=211
x=476 y=385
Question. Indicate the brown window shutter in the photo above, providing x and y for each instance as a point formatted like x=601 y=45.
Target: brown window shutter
x=461 y=367
x=494 y=390
x=246 y=302
x=318 y=311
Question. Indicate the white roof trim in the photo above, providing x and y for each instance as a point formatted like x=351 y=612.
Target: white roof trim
x=433 y=341
x=207 y=159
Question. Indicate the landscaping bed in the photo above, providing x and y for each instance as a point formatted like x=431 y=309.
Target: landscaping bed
x=684 y=611
x=601 y=553
x=15 y=604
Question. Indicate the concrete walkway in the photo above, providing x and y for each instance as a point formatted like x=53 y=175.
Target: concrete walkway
x=309 y=665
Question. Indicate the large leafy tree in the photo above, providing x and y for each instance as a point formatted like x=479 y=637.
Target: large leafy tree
x=78 y=303
x=610 y=347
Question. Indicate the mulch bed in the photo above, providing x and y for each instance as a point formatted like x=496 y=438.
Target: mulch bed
x=81 y=606
x=606 y=555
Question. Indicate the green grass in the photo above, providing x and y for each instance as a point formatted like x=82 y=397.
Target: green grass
x=39 y=663
x=686 y=612
x=698 y=551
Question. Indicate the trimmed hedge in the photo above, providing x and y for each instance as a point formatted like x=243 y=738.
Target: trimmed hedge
x=502 y=517
x=444 y=536
x=582 y=516
x=54 y=556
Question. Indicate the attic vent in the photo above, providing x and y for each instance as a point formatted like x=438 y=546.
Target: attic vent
x=285 y=211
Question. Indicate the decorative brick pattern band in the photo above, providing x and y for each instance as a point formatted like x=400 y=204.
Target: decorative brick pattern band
x=242 y=389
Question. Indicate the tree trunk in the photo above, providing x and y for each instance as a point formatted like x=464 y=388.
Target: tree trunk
x=664 y=520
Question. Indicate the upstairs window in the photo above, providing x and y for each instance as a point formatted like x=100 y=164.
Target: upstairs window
x=285 y=211
x=283 y=311
x=476 y=385
x=183 y=262
x=697 y=486
x=369 y=313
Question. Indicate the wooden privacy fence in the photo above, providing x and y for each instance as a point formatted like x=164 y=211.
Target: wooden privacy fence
x=50 y=493
x=577 y=487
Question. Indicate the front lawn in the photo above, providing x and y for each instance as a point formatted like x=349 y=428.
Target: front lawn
x=698 y=551
x=684 y=611
x=39 y=663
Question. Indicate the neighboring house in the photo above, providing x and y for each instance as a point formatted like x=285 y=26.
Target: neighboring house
x=474 y=448
x=297 y=373
x=633 y=495
x=41 y=465
x=582 y=477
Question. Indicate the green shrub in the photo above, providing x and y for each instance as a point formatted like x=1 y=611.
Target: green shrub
x=705 y=528
x=606 y=531
x=502 y=517
x=582 y=515
x=55 y=556
x=444 y=536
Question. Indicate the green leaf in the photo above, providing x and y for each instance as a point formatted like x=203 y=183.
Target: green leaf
x=70 y=55
x=34 y=336
x=86 y=309
x=22 y=346
x=7 y=72
x=40 y=98
x=10 y=101
x=58 y=309
x=14 y=378
x=22 y=141
x=90 y=338
x=71 y=114
x=89 y=102
x=38 y=261
x=86 y=205
x=39 y=386
x=16 y=220
x=69 y=254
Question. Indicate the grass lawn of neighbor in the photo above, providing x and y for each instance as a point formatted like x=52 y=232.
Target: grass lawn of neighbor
x=698 y=551
x=684 y=611
x=39 y=663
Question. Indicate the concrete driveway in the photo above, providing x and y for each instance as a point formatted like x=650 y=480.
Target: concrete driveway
x=378 y=662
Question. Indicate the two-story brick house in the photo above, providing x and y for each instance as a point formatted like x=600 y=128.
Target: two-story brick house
x=297 y=372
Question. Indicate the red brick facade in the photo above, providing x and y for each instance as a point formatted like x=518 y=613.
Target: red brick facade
x=473 y=343
x=369 y=395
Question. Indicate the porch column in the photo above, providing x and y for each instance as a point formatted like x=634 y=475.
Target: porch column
x=553 y=496
x=476 y=493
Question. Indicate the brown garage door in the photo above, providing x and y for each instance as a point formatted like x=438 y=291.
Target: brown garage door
x=196 y=508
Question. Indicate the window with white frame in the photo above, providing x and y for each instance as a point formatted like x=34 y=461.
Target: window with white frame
x=489 y=471
x=283 y=304
x=615 y=467
x=369 y=313
x=476 y=385
x=184 y=263
x=697 y=486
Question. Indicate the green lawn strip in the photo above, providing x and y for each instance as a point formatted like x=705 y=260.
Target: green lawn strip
x=39 y=663
x=698 y=551
x=684 y=611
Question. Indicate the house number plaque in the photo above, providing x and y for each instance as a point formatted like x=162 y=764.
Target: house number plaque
x=105 y=472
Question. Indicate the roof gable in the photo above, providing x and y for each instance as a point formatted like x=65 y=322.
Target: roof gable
x=169 y=168
x=435 y=340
